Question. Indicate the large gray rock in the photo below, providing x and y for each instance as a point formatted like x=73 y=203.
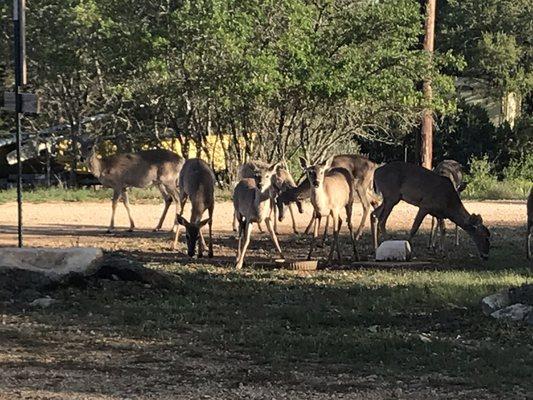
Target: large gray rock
x=53 y=263
x=495 y=301
x=516 y=312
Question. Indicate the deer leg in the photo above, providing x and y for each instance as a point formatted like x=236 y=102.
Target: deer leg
x=273 y=236
x=126 y=202
x=114 y=202
x=350 y=229
x=168 y=201
x=273 y=210
x=260 y=227
x=442 y=230
x=365 y=203
x=292 y=218
x=247 y=233
x=384 y=215
x=431 y=234
x=316 y=228
x=310 y=225
x=456 y=235
x=416 y=224
x=201 y=244
x=337 y=222
x=181 y=205
x=325 y=236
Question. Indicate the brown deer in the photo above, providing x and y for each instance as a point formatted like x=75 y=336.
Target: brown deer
x=452 y=170
x=122 y=171
x=196 y=182
x=432 y=194
x=362 y=170
x=281 y=181
x=251 y=202
x=331 y=191
x=529 y=223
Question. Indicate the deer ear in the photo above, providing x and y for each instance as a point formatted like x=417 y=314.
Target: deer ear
x=182 y=221
x=462 y=187
x=476 y=219
x=328 y=162
x=205 y=221
x=303 y=163
x=274 y=167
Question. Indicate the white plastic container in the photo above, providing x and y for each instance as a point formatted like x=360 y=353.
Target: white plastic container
x=394 y=250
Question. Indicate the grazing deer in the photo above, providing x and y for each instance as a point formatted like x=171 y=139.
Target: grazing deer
x=452 y=170
x=251 y=202
x=122 y=171
x=362 y=170
x=529 y=223
x=432 y=194
x=281 y=181
x=331 y=190
x=196 y=182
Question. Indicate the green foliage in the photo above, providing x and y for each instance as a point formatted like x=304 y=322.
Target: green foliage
x=484 y=184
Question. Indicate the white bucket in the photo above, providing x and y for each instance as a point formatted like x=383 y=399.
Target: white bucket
x=394 y=250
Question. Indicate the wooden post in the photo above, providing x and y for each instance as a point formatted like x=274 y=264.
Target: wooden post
x=426 y=142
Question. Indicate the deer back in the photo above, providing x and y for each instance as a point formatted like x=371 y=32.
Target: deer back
x=197 y=180
x=452 y=170
x=360 y=167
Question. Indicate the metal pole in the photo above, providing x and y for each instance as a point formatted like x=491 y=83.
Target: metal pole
x=20 y=79
x=426 y=143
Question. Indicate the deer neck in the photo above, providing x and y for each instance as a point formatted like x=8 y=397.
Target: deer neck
x=460 y=216
x=319 y=198
x=95 y=165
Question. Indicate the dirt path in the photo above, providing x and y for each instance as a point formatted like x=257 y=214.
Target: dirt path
x=84 y=224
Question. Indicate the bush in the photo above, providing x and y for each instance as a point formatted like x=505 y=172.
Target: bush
x=484 y=184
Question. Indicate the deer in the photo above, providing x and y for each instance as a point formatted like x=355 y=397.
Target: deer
x=332 y=189
x=125 y=170
x=282 y=181
x=252 y=203
x=452 y=170
x=529 y=224
x=432 y=193
x=196 y=182
x=362 y=171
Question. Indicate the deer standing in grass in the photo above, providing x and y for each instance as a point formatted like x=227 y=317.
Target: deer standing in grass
x=432 y=194
x=281 y=181
x=452 y=170
x=122 y=171
x=331 y=191
x=251 y=202
x=196 y=182
x=529 y=223
x=362 y=170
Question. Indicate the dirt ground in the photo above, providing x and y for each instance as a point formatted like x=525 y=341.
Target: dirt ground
x=102 y=343
x=84 y=224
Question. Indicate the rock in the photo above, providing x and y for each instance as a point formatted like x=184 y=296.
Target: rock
x=515 y=312
x=529 y=319
x=43 y=302
x=495 y=301
x=53 y=263
x=394 y=250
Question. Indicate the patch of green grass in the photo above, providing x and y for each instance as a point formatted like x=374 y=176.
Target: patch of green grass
x=397 y=324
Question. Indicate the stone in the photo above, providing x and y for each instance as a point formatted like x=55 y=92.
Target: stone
x=495 y=301
x=515 y=312
x=54 y=263
x=394 y=250
x=43 y=302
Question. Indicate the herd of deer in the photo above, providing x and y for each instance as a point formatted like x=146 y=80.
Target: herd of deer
x=264 y=192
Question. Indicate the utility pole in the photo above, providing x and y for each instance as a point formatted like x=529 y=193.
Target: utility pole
x=426 y=139
x=19 y=25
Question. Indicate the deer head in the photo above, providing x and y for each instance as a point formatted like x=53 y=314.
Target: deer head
x=480 y=235
x=263 y=176
x=87 y=145
x=315 y=173
x=192 y=233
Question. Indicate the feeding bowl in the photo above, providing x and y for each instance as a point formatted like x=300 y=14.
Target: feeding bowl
x=298 y=265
